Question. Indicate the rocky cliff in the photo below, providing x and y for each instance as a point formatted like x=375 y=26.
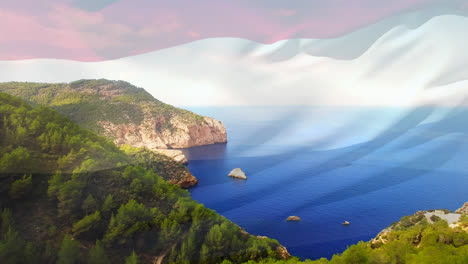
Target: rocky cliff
x=124 y=113
x=176 y=132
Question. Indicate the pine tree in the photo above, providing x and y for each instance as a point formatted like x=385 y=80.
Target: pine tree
x=89 y=204
x=188 y=248
x=205 y=255
x=69 y=252
x=7 y=221
x=109 y=204
x=54 y=184
x=132 y=259
x=11 y=248
x=31 y=253
x=97 y=254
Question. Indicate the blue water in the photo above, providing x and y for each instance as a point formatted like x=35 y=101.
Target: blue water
x=369 y=166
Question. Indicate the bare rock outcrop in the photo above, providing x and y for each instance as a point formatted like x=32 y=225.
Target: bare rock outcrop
x=175 y=154
x=187 y=180
x=463 y=209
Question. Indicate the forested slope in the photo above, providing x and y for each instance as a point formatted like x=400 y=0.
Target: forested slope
x=70 y=196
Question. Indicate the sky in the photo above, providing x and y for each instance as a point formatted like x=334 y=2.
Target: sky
x=90 y=30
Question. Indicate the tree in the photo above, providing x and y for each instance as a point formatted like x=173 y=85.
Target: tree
x=356 y=254
x=188 y=248
x=132 y=172
x=69 y=252
x=18 y=159
x=21 y=187
x=69 y=197
x=137 y=187
x=7 y=221
x=11 y=248
x=86 y=224
x=108 y=205
x=55 y=183
x=131 y=218
x=97 y=254
x=170 y=230
x=205 y=256
x=31 y=253
x=89 y=204
x=132 y=259
x=218 y=238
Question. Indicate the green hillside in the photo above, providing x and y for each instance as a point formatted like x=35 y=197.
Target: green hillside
x=87 y=102
x=70 y=196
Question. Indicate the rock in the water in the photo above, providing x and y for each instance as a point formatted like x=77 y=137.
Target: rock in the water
x=293 y=218
x=237 y=173
x=463 y=209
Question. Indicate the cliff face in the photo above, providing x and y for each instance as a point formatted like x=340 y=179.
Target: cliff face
x=124 y=113
x=158 y=133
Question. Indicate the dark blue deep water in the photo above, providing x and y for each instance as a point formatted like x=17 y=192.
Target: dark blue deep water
x=369 y=166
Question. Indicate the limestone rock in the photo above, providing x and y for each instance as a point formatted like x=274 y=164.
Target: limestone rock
x=175 y=154
x=463 y=209
x=237 y=173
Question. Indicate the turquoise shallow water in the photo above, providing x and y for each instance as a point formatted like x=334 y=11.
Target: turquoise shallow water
x=369 y=166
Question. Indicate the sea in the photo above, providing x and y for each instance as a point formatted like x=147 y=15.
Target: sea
x=366 y=165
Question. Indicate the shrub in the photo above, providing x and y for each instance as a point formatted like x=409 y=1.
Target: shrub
x=435 y=218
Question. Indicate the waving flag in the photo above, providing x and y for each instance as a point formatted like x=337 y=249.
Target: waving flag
x=332 y=107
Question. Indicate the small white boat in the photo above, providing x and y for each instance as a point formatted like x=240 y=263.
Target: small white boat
x=345 y=223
